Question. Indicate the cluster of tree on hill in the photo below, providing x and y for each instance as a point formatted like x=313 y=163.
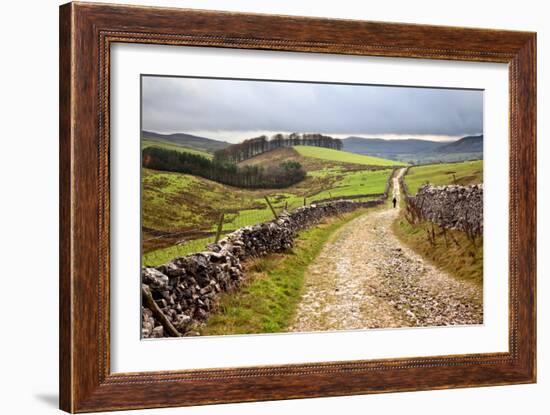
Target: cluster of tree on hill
x=258 y=145
x=285 y=174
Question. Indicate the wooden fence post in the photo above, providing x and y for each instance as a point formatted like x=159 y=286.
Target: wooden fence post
x=220 y=227
x=150 y=303
x=271 y=207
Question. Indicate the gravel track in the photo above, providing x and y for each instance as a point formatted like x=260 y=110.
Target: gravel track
x=364 y=277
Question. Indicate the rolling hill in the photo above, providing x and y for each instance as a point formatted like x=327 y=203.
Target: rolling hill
x=344 y=156
x=469 y=144
x=384 y=147
x=145 y=143
x=186 y=140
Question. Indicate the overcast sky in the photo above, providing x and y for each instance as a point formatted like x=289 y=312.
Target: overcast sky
x=234 y=110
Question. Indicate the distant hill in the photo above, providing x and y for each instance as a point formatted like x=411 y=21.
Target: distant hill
x=380 y=146
x=469 y=144
x=417 y=151
x=187 y=140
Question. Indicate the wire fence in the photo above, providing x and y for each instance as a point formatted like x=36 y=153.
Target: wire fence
x=224 y=221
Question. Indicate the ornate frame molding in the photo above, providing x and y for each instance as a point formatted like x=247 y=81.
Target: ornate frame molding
x=86 y=33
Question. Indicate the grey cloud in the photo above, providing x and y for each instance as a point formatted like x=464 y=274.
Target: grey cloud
x=192 y=104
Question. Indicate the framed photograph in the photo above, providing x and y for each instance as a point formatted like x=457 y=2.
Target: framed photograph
x=259 y=207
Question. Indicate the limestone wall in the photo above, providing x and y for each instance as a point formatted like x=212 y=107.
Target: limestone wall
x=452 y=207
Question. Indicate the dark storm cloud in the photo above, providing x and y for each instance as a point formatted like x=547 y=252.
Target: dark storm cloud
x=188 y=105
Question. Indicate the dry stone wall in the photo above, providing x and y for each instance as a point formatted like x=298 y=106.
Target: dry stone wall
x=451 y=207
x=178 y=296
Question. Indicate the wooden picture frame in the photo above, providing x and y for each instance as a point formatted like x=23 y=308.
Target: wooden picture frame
x=86 y=33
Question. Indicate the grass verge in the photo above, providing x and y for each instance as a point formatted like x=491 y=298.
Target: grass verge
x=267 y=301
x=458 y=255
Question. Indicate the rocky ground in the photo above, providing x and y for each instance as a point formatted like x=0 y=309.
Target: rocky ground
x=380 y=283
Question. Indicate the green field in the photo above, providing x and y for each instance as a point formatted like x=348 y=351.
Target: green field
x=344 y=156
x=145 y=142
x=362 y=182
x=464 y=173
x=180 y=212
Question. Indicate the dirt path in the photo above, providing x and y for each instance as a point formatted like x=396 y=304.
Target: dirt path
x=365 y=277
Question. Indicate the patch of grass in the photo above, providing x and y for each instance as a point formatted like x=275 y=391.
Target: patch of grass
x=458 y=256
x=173 y=201
x=468 y=172
x=267 y=301
x=358 y=183
x=344 y=156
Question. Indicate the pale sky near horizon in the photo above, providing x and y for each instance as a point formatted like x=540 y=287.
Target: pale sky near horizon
x=233 y=110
